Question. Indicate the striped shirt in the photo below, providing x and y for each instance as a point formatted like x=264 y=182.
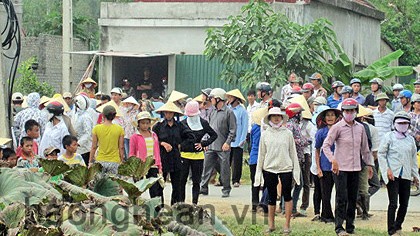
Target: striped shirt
x=149 y=145
x=383 y=121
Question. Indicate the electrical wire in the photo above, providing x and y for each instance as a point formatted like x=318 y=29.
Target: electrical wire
x=11 y=44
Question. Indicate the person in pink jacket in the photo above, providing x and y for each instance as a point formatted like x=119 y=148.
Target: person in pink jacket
x=145 y=143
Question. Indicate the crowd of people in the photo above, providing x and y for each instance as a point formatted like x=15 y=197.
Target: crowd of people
x=303 y=138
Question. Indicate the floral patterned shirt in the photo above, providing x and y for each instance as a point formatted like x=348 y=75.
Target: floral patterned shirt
x=32 y=112
x=128 y=119
x=414 y=126
x=300 y=141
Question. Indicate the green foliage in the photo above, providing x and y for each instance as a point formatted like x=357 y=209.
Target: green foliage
x=54 y=167
x=134 y=190
x=28 y=81
x=135 y=167
x=381 y=69
x=16 y=187
x=45 y=17
x=273 y=46
x=31 y=205
x=80 y=175
x=401 y=27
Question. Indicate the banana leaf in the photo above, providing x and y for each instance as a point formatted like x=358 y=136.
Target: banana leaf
x=92 y=225
x=136 y=168
x=81 y=194
x=80 y=175
x=54 y=167
x=134 y=190
x=13 y=216
x=105 y=186
x=384 y=61
x=15 y=189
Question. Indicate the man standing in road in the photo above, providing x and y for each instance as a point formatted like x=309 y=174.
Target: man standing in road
x=351 y=142
x=223 y=121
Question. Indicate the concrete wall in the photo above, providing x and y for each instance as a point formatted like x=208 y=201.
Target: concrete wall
x=48 y=50
x=385 y=50
x=180 y=27
x=359 y=35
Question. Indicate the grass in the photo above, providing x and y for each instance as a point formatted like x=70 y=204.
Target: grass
x=257 y=227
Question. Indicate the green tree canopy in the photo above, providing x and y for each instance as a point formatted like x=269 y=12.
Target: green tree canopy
x=271 y=46
x=45 y=17
x=401 y=27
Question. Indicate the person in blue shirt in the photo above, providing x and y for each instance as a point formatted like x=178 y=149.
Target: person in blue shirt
x=334 y=99
x=324 y=120
x=157 y=103
x=356 y=85
x=236 y=99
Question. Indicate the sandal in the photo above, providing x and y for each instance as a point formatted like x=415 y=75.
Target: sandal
x=287 y=231
x=269 y=231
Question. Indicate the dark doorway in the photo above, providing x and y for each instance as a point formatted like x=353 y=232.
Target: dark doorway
x=132 y=70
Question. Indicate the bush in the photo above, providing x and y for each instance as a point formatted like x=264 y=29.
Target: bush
x=28 y=81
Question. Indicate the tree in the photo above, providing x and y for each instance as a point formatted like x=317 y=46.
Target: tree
x=45 y=17
x=28 y=81
x=263 y=45
x=401 y=27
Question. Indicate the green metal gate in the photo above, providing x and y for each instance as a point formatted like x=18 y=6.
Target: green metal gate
x=195 y=72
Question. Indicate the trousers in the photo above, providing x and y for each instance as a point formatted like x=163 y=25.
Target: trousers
x=211 y=160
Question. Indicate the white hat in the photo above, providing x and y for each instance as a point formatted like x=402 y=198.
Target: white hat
x=117 y=90
x=17 y=97
x=132 y=100
x=67 y=95
x=276 y=111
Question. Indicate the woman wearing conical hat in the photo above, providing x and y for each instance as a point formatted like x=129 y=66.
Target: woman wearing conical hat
x=171 y=134
x=88 y=86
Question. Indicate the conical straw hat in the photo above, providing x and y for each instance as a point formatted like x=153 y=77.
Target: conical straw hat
x=112 y=103
x=237 y=94
x=60 y=100
x=44 y=99
x=364 y=111
x=4 y=141
x=89 y=80
x=144 y=115
x=175 y=96
x=132 y=100
x=169 y=106
x=302 y=101
x=258 y=115
x=199 y=98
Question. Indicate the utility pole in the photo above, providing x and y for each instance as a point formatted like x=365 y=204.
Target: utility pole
x=67 y=45
x=4 y=120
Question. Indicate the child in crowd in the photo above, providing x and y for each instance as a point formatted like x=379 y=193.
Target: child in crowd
x=32 y=131
x=51 y=153
x=277 y=159
x=9 y=156
x=70 y=157
x=27 y=159
x=145 y=143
